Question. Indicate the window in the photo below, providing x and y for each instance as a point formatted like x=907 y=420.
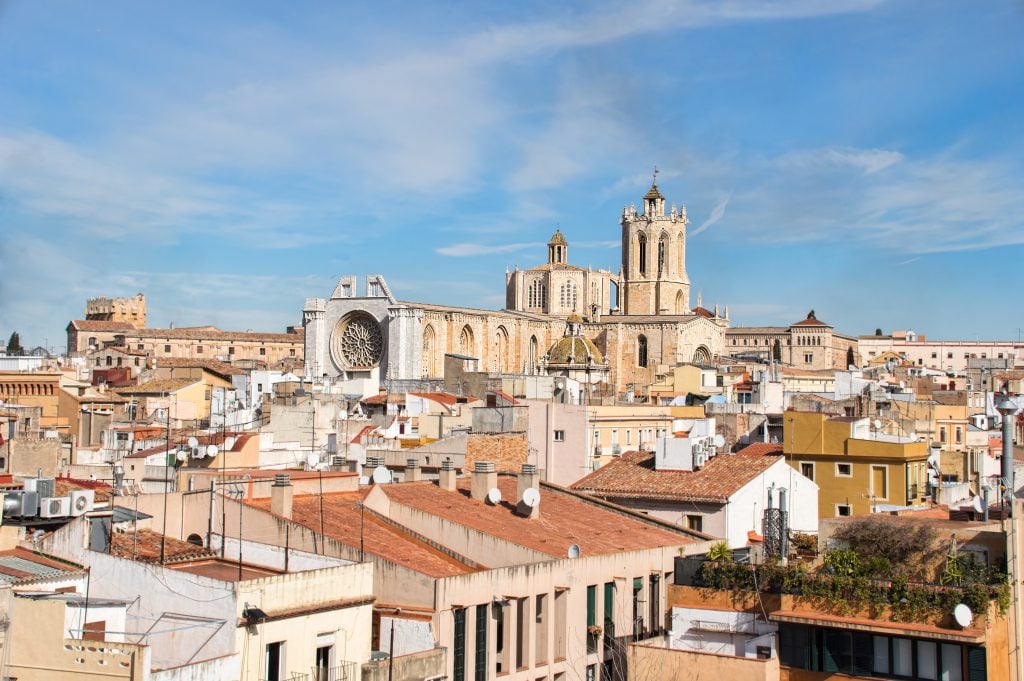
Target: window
x=120 y=361
x=559 y=436
x=274 y=661
x=807 y=470
x=642 y=252
x=110 y=360
x=322 y=666
x=695 y=522
x=641 y=351
x=949 y=355
x=199 y=349
x=942 y=433
x=139 y=346
x=231 y=350
x=480 y=663
x=292 y=352
x=843 y=511
x=167 y=348
x=591 y=617
x=808 y=358
x=959 y=435
x=935 y=355
x=542 y=618
x=136 y=361
x=99 y=361
x=629 y=436
x=844 y=470
x=609 y=608
x=263 y=351
x=459 y=644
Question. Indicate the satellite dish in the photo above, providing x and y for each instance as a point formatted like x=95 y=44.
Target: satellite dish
x=531 y=497
x=877 y=424
x=494 y=496
x=211 y=451
x=313 y=460
x=182 y=455
x=963 y=615
x=381 y=475
x=193 y=442
x=719 y=441
x=574 y=551
x=364 y=480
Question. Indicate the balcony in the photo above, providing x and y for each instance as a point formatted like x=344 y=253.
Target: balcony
x=347 y=671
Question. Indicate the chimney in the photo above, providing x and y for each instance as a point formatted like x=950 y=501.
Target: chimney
x=412 y=470
x=528 y=477
x=484 y=480
x=281 y=496
x=446 y=479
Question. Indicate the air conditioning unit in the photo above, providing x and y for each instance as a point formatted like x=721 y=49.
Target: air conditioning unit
x=82 y=501
x=699 y=460
x=55 y=507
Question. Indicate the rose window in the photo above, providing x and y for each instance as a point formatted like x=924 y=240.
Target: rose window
x=357 y=342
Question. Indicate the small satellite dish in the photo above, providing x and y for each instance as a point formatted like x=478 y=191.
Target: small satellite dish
x=193 y=442
x=978 y=505
x=719 y=441
x=494 y=496
x=313 y=460
x=182 y=455
x=531 y=497
x=963 y=615
x=381 y=475
x=364 y=480
x=211 y=451
x=877 y=424
x=574 y=551
x=199 y=453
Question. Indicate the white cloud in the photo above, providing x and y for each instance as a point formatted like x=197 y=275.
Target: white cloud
x=717 y=213
x=467 y=250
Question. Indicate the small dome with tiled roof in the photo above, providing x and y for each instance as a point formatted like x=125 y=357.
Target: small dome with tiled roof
x=558 y=239
x=653 y=192
x=574 y=350
x=574 y=319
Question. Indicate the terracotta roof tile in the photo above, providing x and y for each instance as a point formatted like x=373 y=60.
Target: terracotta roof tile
x=565 y=519
x=99 y=325
x=211 y=365
x=158 y=386
x=342 y=522
x=634 y=475
x=144 y=546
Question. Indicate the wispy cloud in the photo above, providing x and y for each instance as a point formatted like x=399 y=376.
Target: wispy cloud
x=717 y=213
x=909 y=260
x=467 y=250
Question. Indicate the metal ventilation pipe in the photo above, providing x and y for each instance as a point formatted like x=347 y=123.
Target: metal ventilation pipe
x=1007 y=408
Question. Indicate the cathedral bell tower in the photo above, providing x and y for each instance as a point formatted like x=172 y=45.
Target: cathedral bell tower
x=654 y=280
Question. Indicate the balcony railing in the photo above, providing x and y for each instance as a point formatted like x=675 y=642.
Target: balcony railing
x=347 y=671
x=911 y=493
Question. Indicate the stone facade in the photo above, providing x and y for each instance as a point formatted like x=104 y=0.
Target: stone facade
x=809 y=343
x=129 y=310
x=656 y=329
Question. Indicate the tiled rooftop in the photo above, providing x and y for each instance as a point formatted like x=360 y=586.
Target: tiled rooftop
x=565 y=519
x=158 y=386
x=211 y=365
x=100 y=325
x=20 y=565
x=342 y=522
x=634 y=475
x=144 y=546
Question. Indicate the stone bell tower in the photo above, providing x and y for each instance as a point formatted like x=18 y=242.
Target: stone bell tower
x=654 y=280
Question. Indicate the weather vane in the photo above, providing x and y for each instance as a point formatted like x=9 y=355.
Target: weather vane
x=654 y=180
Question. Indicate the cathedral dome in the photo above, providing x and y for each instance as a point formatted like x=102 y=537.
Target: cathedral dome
x=574 y=350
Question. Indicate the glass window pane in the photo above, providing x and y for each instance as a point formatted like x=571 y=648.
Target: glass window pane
x=881 y=656
x=902 y=657
x=952 y=669
x=927 y=665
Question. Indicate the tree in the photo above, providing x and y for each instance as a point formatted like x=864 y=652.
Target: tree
x=849 y=358
x=14 y=345
x=777 y=350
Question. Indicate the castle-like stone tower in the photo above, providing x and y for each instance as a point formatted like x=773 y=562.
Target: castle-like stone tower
x=654 y=280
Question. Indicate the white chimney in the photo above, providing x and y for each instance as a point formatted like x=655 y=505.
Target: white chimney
x=447 y=477
x=484 y=480
x=281 y=496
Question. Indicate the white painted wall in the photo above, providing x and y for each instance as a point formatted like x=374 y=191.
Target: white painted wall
x=745 y=509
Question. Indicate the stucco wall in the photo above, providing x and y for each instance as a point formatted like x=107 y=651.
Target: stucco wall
x=651 y=662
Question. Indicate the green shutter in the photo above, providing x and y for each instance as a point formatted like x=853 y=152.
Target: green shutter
x=977 y=666
x=591 y=605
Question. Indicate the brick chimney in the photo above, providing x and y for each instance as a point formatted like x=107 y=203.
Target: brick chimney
x=412 y=470
x=447 y=476
x=484 y=479
x=281 y=496
x=528 y=477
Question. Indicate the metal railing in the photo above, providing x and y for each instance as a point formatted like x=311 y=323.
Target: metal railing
x=347 y=671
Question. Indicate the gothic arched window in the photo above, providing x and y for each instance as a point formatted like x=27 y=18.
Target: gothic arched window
x=641 y=351
x=642 y=252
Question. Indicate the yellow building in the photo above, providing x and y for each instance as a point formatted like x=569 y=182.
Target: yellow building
x=856 y=469
x=35 y=389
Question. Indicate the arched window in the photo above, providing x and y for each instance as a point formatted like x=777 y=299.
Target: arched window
x=538 y=294
x=681 y=253
x=642 y=252
x=500 y=361
x=662 y=253
x=466 y=341
x=532 y=367
x=641 y=351
x=701 y=355
x=680 y=303
x=567 y=297
x=427 y=358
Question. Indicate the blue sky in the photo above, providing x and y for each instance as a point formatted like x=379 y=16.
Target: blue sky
x=859 y=157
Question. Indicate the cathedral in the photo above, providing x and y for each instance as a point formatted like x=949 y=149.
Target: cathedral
x=626 y=327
